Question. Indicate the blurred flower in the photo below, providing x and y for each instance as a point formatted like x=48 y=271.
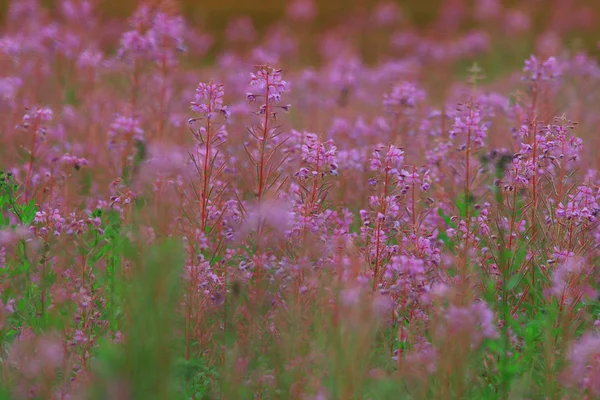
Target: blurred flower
x=569 y=281
x=240 y=30
x=583 y=371
x=386 y=13
x=403 y=98
x=9 y=87
x=301 y=10
x=476 y=321
x=541 y=71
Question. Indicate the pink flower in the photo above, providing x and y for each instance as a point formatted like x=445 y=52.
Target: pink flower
x=386 y=13
x=476 y=321
x=569 y=281
x=541 y=71
x=584 y=364
x=302 y=10
x=209 y=99
x=403 y=98
x=269 y=78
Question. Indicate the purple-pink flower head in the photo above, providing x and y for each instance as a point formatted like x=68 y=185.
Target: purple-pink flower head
x=584 y=369
x=320 y=156
x=386 y=13
x=394 y=156
x=44 y=114
x=124 y=127
x=9 y=87
x=569 y=281
x=267 y=78
x=155 y=35
x=403 y=98
x=301 y=10
x=538 y=71
x=78 y=11
x=468 y=123
x=476 y=320
x=136 y=43
x=168 y=30
x=89 y=58
x=209 y=100
x=486 y=10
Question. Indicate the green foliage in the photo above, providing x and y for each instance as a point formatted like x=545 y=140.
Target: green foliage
x=443 y=236
x=9 y=203
x=145 y=363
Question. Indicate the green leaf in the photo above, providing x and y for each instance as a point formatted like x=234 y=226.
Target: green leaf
x=446 y=218
x=513 y=281
x=141 y=152
x=519 y=257
x=71 y=96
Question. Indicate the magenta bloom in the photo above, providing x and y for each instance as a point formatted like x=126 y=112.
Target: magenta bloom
x=209 y=99
x=269 y=78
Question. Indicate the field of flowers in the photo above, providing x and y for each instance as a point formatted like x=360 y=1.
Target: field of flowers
x=363 y=210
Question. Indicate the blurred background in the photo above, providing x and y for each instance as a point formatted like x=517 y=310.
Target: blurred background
x=213 y=15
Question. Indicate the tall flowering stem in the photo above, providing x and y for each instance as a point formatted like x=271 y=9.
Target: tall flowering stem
x=155 y=39
x=319 y=160
x=537 y=74
x=468 y=124
x=401 y=102
x=208 y=103
x=385 y=206
x=270 y=86
x=209 y=131
x=34 y=122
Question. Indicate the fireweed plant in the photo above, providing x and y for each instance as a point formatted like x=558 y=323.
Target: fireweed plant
x=349 y=211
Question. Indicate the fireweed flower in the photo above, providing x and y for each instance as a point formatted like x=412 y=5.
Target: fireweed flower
x=36 y=356
x=538 y=71
x=320 y=156
x=209 y=100
x=136 y=44
x=390 y=163
x=155 y=36
x=516 y=22
x=472 y=43
x=9 y=87
x=89 y=59
x=77 y=10
x=410 y=178
x=343 y=75
x=468 y=124
x=486 y=10
x=569 y=281
x=301 y=10
x=168 y=32
x=123 y=130
x=268 y=79
x=386 y=14
x=403 y=98
x=35 y=122
x=476 y=321
x=581 y=207
x=72 y=161
x=583 y=371
x=424 y=358
x=36 y=117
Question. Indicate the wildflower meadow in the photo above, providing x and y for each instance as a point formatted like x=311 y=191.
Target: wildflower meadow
x=361 y=208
